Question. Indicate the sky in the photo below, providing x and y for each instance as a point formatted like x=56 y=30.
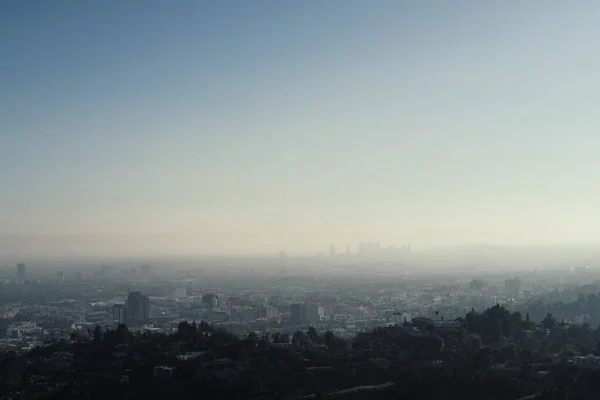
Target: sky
x=244 y=126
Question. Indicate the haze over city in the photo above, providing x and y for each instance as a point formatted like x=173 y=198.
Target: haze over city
x=231 y=128
x=283 y=200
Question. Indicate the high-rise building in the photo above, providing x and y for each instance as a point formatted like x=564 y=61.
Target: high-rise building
x=347 y=249
x=261 y=311
x=313 y=313
x=21 y=270
x=332 y=250
x=138 y=307
x=147 y=307
x=512 y=287
x=298 y=313
x=119 y=315
x=210 y=301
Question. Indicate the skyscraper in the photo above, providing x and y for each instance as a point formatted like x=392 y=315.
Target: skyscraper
x=147 y=308
x=512 y=287
x=118 y=314
x=298 y=313
x=332 y=250
x=138 y=307
x=347 y=249
x=21 y=270
x=210 y=301
x=313 y=313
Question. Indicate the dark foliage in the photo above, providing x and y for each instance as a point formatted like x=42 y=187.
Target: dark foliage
x=495 y=354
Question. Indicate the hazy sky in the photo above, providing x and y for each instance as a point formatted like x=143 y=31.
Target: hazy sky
x=231 y=126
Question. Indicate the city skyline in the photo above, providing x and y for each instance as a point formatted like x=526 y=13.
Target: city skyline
x=235 y=128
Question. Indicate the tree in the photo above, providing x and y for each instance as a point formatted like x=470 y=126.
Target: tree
x=483 y=359
x=204 y=327
x=277 y=337
x=313 y=335
x=549 y=322
x=299 y=338
x=329 y=338
x=97 y=333
x=184 y=328
x=516 y=317
x=423 y=324
x=122 y=334
x=77 y=336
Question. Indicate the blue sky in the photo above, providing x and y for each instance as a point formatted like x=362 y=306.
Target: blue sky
x=269 y=125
